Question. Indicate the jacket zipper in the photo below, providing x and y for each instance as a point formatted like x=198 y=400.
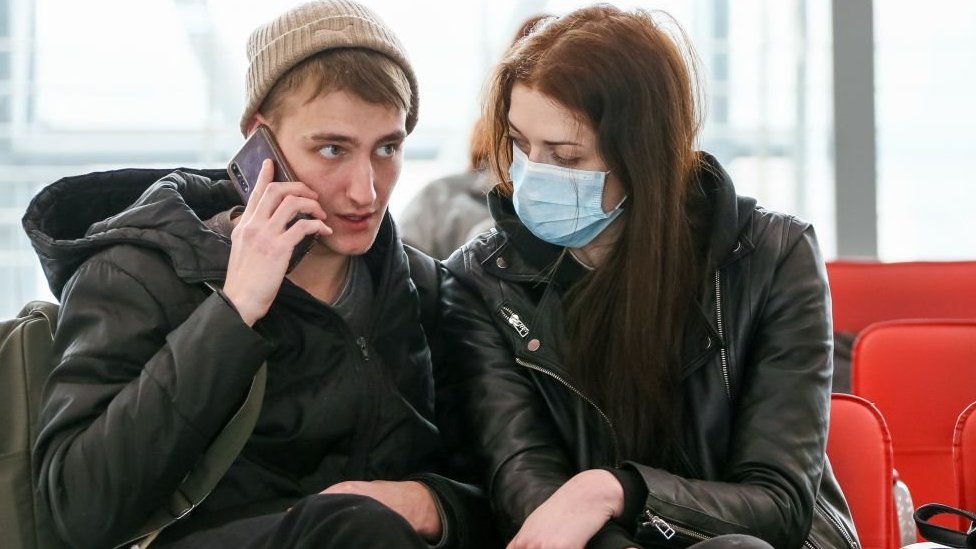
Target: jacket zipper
x=606 y=418
x=669 y=529
x=721 y=335
x=830 y=518
x=514 y=321
x=363 y=348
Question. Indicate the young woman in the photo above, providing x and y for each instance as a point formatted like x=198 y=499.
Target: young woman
x=647 y=355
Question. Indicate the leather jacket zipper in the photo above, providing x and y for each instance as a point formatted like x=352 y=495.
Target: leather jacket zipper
x=721 y=335
x=514 y=321
x=669 y=529
x=560 y=379
x=832 y=520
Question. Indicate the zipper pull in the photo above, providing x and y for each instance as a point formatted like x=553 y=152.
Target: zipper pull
x=663 y=527
x=363 y=348
x=514 y=321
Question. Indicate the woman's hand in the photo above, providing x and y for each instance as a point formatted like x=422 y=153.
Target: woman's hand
x=410 y=499
x=262 y=242
x=572 y=515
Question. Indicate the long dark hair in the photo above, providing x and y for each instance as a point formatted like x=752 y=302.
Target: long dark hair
x=626 y=76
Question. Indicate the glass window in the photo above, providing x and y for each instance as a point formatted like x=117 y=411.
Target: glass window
x=92 y=86
x=925 y=117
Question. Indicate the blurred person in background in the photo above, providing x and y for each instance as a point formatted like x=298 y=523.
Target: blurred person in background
x=449 y=211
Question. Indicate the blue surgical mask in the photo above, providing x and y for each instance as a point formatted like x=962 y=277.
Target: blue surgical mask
x=562 y=206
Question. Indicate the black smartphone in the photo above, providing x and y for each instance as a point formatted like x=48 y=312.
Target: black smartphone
x=243 y=170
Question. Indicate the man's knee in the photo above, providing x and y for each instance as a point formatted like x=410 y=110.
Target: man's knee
x=354 y=517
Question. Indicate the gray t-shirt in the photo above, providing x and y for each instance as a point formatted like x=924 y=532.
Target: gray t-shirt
x=356 y=296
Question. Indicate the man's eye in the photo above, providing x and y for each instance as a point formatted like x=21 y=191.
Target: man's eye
x=331 y=151
x=388 y=150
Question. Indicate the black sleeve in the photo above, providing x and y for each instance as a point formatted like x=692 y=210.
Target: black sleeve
x=135 y=396
x=769 y=485
x=516 y=445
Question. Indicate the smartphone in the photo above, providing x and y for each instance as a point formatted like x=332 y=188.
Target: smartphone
x=243 y=170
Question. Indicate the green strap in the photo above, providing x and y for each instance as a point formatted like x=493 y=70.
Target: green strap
x=207 y=472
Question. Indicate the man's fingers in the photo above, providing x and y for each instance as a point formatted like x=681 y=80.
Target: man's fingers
x=264 y=178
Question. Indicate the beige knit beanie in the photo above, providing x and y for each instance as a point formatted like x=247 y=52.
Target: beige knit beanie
x=310 y=28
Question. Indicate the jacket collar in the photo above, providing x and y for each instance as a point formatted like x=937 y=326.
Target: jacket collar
x=76 y=217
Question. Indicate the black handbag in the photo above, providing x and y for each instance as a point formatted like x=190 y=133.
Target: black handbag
x=941 y=534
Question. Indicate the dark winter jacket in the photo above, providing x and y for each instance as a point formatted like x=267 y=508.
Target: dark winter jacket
x=755 y=378
x=151 y=365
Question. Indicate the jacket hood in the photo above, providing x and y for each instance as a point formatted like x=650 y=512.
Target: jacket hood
x=76 y=217
x=726 y=216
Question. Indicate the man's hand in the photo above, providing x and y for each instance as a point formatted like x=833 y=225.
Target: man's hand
x=262 y=242
x=573 y=514
x=410 y=499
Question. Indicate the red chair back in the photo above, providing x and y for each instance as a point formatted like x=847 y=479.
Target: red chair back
x=864 y=292
x=859 y=448
x=920 y=376
x=964 y=458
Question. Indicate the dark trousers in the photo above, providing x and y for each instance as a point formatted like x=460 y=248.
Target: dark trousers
x=732 y=542
x=315 y=522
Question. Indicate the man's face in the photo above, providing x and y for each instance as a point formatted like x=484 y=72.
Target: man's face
x=350 y=153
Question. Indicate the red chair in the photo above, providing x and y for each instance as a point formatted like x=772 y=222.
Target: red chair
x=864 y=292
x=920 y=376
x=964 y=458
x=859 y=448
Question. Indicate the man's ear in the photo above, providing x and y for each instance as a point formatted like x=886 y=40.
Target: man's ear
x=256 y=121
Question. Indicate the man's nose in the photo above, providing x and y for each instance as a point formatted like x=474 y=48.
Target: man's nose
x=362 y=183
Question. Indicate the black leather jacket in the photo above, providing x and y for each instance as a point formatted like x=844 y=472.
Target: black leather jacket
x=756 y=381
x=151 y=364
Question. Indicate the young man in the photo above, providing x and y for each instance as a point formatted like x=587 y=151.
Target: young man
x=151 y=364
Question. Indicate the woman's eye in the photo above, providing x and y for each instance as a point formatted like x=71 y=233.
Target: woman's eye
x=331 y=151
x=562 y=161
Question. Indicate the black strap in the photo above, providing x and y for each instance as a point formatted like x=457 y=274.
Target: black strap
x=940 y=534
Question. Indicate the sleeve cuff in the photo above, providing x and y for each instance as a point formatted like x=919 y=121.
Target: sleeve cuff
x=635 y=494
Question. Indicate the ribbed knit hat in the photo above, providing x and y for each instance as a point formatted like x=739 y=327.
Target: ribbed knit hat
x=310 y=28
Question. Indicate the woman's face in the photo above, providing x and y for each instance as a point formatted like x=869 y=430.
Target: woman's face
x=549 y=133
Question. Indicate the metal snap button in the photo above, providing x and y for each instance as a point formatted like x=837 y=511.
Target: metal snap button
x=534 y=345
x=500 y=261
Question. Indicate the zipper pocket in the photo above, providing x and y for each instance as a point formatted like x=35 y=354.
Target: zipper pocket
x=668 y=530
x=606 y=418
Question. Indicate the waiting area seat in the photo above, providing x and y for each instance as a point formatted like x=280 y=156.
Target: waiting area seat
x=859 y=448
x=865 y=292
x=920 y=376
x=964 y=459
